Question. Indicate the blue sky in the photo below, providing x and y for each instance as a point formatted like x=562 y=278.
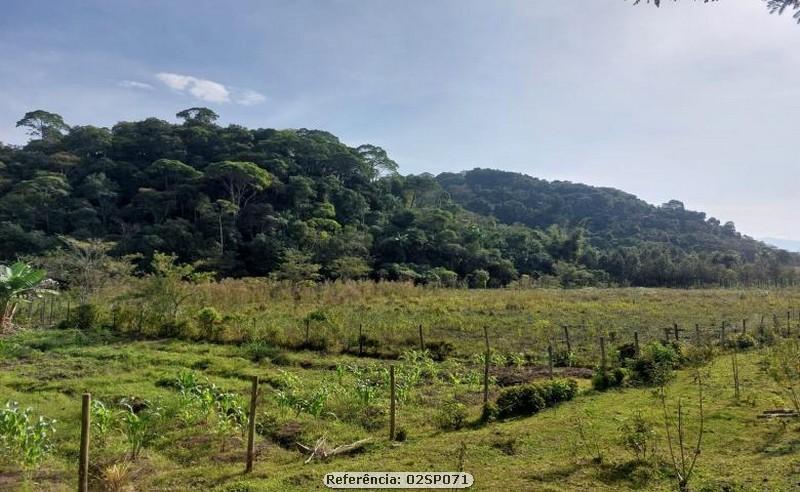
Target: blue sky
x=690 y=101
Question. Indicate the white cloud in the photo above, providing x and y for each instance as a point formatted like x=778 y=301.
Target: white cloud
x=250 y=98
x=204 y=89
x=134 y=84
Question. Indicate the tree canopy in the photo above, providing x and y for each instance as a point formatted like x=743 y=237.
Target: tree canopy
x=298 y=204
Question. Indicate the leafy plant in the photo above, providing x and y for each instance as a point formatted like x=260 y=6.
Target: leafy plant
x=103 y=420
x=140 y=428
x=18 y=282
x=451 y=416
x=23 y=439
x=638 y=436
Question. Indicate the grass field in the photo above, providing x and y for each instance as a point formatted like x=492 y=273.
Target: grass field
x=308 y=394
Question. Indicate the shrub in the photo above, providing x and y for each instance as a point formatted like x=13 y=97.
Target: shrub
x=626 y=351
x=603 y=379
x=210 y=323
x=742 y=341
x=489 y=412
x=452 y=416
x=439 y=351
x=520 y=400
x=23 y=439
x=638 y=436
x=656 y=363
x=174 y=329
x=529 y=399
x=559 y=390
x=401 y=435
x=259 y=350
x=86 y=316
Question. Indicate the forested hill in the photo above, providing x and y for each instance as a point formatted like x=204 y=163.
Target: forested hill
x=301 y=205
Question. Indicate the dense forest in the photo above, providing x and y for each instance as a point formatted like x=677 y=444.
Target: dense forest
x=301 y=205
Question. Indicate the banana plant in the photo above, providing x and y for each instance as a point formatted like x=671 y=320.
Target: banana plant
x=18 y=283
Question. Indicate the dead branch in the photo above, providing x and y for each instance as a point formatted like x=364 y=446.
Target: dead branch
x=322 y=452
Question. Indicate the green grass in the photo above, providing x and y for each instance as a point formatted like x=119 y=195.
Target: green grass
x=49 y=369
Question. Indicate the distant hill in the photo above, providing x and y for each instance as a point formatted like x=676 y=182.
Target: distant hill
x=787 y=244
x=300 y=205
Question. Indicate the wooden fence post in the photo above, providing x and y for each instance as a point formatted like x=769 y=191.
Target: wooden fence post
x=83 y=461
x=550 y=359
x=360 y=339
x=566 y=337
x=486 y=368
x=722 y=334
x=636 y=344
x=421 y=340
x=697 y=339
x=251 y=425
x=744 y=327
x=603 y=353
x=392 y=405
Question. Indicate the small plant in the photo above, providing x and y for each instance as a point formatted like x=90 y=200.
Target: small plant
x=259 y=350
x=116 y=477
x=139 y=427
x=23 y=439
x=638 y=436
x=586 y=441
x=230 y=416
x=102 y=420
x=684 y=458
x=742 y=341
x=452 y=416
x=656 y=363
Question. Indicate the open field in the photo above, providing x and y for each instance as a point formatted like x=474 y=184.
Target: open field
x=307 y=394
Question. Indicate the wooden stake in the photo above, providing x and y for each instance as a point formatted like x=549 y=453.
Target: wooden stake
x=722 y=334
x=251 y=425
x=697 y=340
x=486 y=368
x=566 y=337
x=392 y=406
x=636 y=344
x=676 y=330
x=360 y=340
x=83 y=461
x=602 y=353
x=550 y=359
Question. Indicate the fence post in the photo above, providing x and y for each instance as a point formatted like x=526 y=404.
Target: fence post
x=697 y=340
x=722 y=334
x=360 y=340
x=550 y=359
x=603 y=353
x=566 y=337
x=251 y=425
x=636 y=344
x=83 y=462
x=392 y=406
x=421 y=340
x=68 y=310
x=486 y=368
x=677 y=332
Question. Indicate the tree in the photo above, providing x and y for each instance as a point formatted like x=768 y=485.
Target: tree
x=241 y=180
x=774 y=6
x=42 y=124
x=377 y=159
x=198 y=115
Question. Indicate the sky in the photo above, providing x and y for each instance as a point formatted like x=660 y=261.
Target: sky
x=690 y=101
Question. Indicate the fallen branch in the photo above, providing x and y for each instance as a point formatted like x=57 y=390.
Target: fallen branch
x=323 y=452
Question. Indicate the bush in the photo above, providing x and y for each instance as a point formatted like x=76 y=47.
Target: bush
x=440 y=350
x=210 y=323
x=86 y=316
x=529 y=399
x=742 y=341
x=258 y=351
x=604 y=379
x=520 y=400
x=626 y=351
x=656 y=363
x=489 y=412
x=452 y=416
x=559 y=390
x=562 y=358
x=174 y=329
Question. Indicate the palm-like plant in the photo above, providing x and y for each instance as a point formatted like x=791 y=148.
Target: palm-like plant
x=18 y=282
